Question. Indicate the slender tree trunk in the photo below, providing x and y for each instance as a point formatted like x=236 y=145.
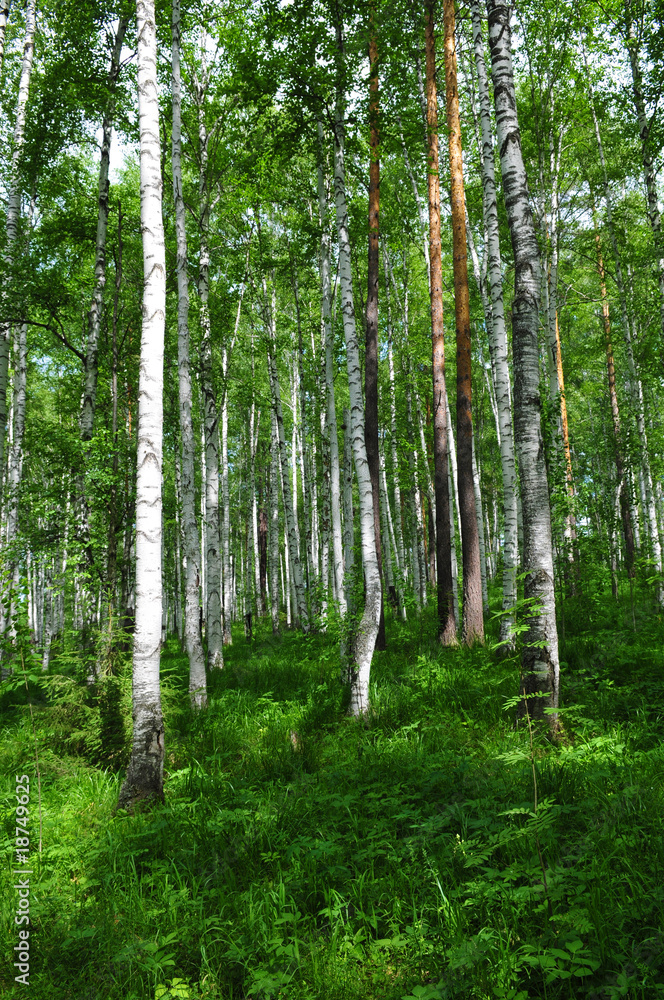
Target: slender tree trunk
x=90 y=366
x=477 y=487
x=226 y=509
x=401 y=564
x=371 y=344
x=349 y=517
x=636 y=386
x=622 y=483
x=302 y=451
x=649 y=174
x=540 y=667
x=192 y=551
x=417 y=526
x=473 y=622
x=255 y=538
x=112 y=550
x=14 y=211
x=274 y=525
x=145 y=772
x=213 y=623
x=367 y=630
x=446 y=622
x=5 y=7
x=498 y=342
x=291 y=535
x=328 y=334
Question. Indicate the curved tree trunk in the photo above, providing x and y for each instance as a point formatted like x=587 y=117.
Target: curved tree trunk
x=367 y=630
x=540 y=666
x=473 y=621
x=192 y=551
x=446 y=622
x=145 y=772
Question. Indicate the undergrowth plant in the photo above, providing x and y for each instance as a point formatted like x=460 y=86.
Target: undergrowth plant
x=434 y=850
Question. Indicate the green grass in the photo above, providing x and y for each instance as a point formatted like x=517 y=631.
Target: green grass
x=300 y=854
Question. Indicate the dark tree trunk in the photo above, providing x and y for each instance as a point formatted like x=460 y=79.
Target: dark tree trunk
x=473 y=621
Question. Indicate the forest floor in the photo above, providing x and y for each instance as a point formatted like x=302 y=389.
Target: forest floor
x=434 y=852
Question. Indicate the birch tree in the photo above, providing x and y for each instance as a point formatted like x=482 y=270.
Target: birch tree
x=498 y=339
x=14 y=210
x=192 y=552
x=540 y=666
x=364 y=640
x=446 y=621
x=144 y=780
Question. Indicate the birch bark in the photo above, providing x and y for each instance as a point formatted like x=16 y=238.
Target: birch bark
x=192 y=551
x=274 y=525
x=144 y=778
x=291 y=535
x=498 y=341
x=14 y=210
x=331 y=413
x=446 y=622
x=371 y=342
x=367 y=630
x=540 y=666
x=4 y=17
x=213 y=580
x=399 y=550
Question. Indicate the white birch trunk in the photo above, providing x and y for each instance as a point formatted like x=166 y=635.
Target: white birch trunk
x=226 y=510
x=393 y=428
x=328 y=335
x=498 y=343
x=365 y=637
x=417 y=526
x=480 y=528
x=349 y=517
x=274 y=526
x=192 y=551
x=213 y=630
x=540 y=656
x=5 y=7
x=14 y=210
x=145 y=772
x=292 y=541
x=253 y=444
